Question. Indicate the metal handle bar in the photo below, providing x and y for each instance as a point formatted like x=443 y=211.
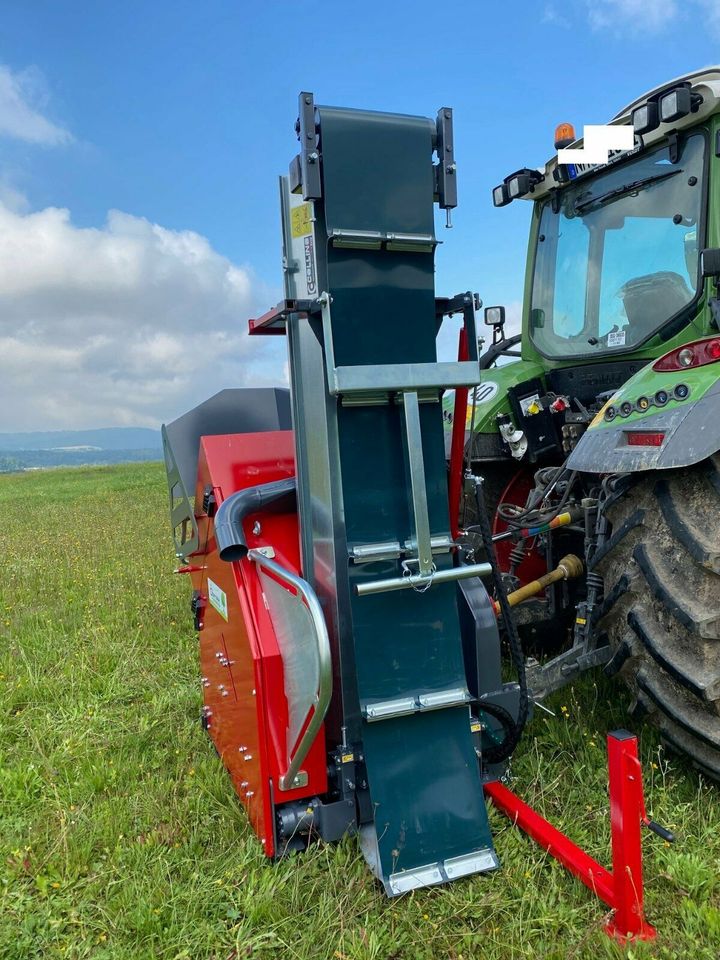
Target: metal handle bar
x=416 y=581
x=325 y=679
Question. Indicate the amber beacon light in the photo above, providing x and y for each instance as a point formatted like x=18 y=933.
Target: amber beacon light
x=564 y=135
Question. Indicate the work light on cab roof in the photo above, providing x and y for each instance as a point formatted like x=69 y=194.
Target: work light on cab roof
x=666 y=106
x=681 y=102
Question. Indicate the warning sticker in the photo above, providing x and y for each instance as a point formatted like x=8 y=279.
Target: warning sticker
x=217 y=598
x=616 y=338
x=301 y=220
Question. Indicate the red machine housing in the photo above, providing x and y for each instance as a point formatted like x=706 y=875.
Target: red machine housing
x=246 y=711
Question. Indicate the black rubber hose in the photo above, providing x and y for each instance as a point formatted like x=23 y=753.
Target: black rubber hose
x=496 y=754
x=503 y=750
x=229 y=534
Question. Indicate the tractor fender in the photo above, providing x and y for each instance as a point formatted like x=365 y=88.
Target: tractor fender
x=690 y=429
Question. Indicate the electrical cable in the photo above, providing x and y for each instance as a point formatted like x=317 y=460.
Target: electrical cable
x=508 y=724
x=535 y=516
x=503 y=750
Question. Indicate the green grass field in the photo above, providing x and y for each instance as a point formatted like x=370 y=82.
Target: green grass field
x=121 y=837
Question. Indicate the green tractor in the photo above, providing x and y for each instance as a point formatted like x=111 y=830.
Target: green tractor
x=597 y=430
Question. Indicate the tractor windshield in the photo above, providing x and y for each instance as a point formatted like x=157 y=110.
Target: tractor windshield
x=619 y=258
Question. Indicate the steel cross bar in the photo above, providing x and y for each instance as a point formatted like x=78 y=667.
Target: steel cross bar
x=585 y=868
x=622 y=890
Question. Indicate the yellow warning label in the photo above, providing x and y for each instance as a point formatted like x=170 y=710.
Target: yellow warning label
x=348 y=757
x=581 y=620
x=475 y=727
x=301 y=220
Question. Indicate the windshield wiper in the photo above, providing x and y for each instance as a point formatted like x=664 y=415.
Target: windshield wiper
x=625 y=188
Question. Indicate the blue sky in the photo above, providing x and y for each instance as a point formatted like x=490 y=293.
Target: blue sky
x=178 y=115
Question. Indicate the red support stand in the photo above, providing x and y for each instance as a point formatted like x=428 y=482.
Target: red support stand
x=621 y=890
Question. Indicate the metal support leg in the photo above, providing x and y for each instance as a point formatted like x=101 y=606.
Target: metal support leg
x=627 y=811
x=622 y=890
x=417 y=482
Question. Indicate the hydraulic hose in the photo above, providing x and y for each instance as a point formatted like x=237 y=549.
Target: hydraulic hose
x=229 y=534
x=514 y=728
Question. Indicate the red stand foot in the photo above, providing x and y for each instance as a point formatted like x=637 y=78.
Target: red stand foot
x=622 y=890
x=646 y=931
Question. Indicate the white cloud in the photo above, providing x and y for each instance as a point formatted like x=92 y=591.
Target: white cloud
x=128 y=324
x=22 y=98
x=513 y=318
x=552 y=15
x=632 y=17
x=632 y=14
x=710 y=14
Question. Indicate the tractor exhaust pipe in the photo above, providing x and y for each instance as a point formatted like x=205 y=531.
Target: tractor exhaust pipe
x=278 y=496
x=569 y=568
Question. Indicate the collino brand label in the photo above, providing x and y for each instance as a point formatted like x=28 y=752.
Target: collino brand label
x=310 y=278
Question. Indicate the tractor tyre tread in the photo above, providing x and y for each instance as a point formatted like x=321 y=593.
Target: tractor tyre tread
x=661 y=606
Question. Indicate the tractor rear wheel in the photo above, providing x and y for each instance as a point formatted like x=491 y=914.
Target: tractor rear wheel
x=661 y=606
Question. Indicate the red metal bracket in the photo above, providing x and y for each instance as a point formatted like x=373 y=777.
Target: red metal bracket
x=621 y=890
x=271 y=322
x=274 y=321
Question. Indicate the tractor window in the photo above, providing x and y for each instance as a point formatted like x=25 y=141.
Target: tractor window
x=619 y=259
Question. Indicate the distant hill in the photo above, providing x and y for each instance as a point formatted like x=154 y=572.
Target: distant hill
x=59 y=448
x=104 y=438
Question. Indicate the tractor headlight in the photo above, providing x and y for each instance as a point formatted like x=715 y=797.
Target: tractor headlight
x=500 y=195
x=495 y=316
x=676 y=104
x=645 y=118
x=519 y=186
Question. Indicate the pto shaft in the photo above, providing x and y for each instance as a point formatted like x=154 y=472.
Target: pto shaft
x=569 y=568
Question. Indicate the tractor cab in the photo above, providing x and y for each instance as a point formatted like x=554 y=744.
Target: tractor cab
x=614 y=273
